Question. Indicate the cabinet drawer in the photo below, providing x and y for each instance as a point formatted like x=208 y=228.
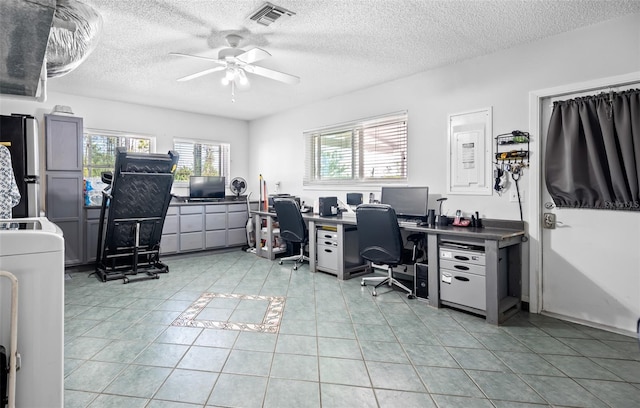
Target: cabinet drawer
x=216 y=239
x=237 y=237
x=191 y=209
x=237 y=219
x=169 y=243
x=237 y=207
x=462 y=267
x=216 y=221
x=191 y=223
x=327 y=242
x=326 y=235
x=473 y=257
x=191 y=241
x=221 y=208
x=327 y=257
x=172 y=210
x=170 y=224
x=463 y=288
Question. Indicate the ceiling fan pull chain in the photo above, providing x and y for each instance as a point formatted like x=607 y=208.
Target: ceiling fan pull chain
x=233 y=91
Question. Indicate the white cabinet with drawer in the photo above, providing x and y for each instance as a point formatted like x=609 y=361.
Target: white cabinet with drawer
x=327 y=250
x=463 y=280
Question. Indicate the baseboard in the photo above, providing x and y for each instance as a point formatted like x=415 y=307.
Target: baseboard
x=590 y=324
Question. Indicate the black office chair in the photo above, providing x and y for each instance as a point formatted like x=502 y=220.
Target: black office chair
x=293 y=229
x=381 y=242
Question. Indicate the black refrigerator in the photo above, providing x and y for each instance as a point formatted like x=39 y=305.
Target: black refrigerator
x=19 y=133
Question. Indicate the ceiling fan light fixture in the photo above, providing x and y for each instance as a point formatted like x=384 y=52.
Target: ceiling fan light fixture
x=242 y=77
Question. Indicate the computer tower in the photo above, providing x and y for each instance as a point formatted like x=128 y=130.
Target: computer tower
x=328 y=206
x=421 y=280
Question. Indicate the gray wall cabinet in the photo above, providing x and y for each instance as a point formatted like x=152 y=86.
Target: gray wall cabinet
x=64 y=188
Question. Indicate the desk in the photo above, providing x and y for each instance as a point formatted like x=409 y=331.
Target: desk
x=496 y=236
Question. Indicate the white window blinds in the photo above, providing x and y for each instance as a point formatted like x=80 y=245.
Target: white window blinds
x=369 y=150
x=201 y=159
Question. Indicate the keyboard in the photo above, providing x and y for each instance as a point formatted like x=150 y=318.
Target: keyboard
x=411 y=220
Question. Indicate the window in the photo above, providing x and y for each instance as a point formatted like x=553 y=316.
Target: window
x=199 y=158
x=369 y=150
x=99 y=151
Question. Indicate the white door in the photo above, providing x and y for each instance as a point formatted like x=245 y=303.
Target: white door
x=591 y=260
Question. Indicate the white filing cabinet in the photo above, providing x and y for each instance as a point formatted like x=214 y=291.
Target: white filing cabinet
x=327 y=250
x=35 y=255
x=462 y=276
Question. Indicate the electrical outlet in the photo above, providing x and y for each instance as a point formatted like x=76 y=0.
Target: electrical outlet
x=513 y=195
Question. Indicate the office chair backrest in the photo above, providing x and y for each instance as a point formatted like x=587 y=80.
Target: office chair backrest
x=292 y=225
x=379 y=235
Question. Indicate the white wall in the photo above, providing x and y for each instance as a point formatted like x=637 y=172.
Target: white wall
x=163 y=124
x=502 y=80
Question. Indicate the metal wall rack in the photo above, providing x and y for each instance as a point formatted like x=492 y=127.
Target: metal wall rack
x=505 y=152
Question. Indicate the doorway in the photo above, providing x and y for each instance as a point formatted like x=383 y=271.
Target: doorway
x=586 y=269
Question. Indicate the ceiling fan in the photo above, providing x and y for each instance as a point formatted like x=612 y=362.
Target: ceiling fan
x=236 y=62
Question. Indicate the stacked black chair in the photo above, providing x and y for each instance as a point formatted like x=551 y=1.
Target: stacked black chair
x=293 y=228
x=381 y=243
x=134 y=206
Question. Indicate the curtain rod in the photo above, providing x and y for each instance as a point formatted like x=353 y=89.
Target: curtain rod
x=610 y=88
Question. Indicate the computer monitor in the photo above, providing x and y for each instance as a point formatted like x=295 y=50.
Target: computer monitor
x=206 y=187
x=354 y=198
x=408 y=202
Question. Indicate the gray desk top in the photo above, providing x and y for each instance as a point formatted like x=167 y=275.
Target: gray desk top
x=493 y=230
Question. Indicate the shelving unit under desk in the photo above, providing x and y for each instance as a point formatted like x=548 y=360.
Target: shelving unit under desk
x=266 y=234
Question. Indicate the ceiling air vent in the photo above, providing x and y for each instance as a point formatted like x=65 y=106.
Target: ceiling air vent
x=268 y=13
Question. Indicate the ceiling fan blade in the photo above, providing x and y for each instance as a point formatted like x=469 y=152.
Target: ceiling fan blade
x=201 y=73
x=178 y=54
x=271 y=74
x=253 y=55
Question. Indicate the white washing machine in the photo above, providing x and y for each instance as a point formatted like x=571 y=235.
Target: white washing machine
x=34 y=253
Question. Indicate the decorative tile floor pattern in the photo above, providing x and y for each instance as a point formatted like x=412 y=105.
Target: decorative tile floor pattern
x=324 y=343
x=269 y=324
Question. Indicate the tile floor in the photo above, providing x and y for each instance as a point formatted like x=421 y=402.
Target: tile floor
x=232 y=330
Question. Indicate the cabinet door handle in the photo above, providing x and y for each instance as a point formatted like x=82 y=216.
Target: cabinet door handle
x=461 y=267
x=462 y=278
x=461 y=258
x=328 y=243
x=328 y=250
x=328 y=236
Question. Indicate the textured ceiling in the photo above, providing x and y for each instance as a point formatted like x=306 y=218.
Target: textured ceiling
x=334 y=46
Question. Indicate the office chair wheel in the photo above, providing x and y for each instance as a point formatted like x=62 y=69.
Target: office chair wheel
x=374 y=293
x=279 y=262
x=363 y=283
x=295 y=267
x=411 y=296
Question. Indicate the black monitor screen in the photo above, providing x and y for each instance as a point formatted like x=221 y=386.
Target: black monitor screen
x=410 y=202
x=206 y=187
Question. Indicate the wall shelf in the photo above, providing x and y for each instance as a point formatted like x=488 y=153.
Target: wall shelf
x=512 y=148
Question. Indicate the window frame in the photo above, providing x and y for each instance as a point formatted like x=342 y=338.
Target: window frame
x=358 y=156
x=88 y=132
x=225 y=165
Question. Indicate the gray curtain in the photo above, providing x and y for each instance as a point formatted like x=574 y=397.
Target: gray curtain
x=592 y=159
